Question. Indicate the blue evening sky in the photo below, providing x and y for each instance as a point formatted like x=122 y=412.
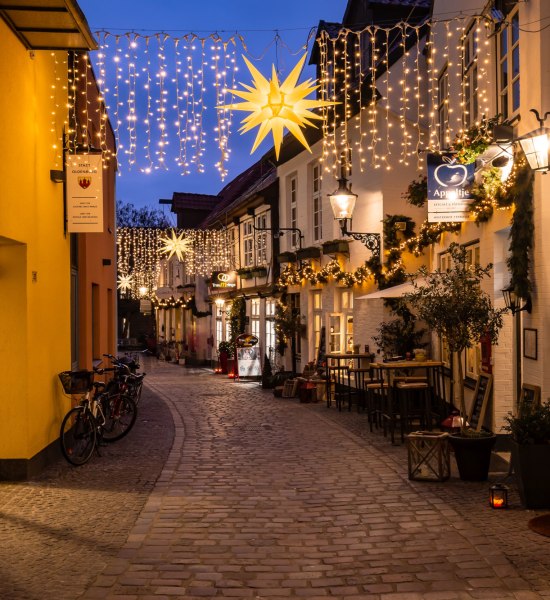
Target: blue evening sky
x=257 y=22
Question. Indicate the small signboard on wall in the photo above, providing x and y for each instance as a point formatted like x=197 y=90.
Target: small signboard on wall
x=84 y=193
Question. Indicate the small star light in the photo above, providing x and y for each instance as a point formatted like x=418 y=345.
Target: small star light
x=124 y=282
x=176 y=244
x=274 y=107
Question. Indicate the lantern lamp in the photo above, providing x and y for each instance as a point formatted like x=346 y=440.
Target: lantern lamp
x=342 y=202
x=143 y=290
x=498 y=496
x=513 y=301
x=535 y=145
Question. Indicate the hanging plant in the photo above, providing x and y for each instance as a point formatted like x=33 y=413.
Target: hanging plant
x=521 y=233
x=474 y=141
x=417 y=192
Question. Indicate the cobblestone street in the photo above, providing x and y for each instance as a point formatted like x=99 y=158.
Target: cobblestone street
x=223 y=490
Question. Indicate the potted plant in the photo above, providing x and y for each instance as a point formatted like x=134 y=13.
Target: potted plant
x=259 y=271
x=225 y=352
x=336 y=246
x=400 y=336
x=453 y=305
x=530 y=441
x=245 y=273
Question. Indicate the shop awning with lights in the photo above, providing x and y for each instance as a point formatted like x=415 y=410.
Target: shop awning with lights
x=395 y=291
x=48 y=24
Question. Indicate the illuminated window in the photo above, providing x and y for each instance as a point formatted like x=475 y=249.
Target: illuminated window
x=317 y=203
x=508 y=72
x=470 y=82
x=293 y=210
x=317 y=305
x=443 y=108
x=261 y=239
x=248 y=244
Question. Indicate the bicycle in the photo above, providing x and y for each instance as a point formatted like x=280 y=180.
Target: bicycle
x=118 y=405
x=81 y=426
x=134 y=380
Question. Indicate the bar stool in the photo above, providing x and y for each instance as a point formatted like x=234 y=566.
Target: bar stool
x=337 y=375
x=361 y=376
x=377 y=392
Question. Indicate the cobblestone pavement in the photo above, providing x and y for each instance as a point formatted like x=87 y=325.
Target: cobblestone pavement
x=259 y=498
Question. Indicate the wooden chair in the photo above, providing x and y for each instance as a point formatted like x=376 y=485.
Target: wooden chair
x=357 y=389
x=337 y=388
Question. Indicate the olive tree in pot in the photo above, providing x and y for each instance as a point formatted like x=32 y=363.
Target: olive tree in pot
x=454 y=306
x=530 y=433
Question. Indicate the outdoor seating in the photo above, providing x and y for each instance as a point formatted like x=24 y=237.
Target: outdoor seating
x=337 y=385
x=357 y=381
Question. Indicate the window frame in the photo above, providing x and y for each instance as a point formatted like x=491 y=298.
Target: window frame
x=508 y=41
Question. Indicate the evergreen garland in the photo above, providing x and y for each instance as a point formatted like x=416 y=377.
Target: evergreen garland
x=237 y=319
x=521 y=234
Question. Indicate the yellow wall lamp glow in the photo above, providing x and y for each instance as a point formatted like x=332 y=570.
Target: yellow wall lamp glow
x=274 y=106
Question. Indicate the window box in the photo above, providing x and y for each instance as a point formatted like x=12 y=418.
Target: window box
x=310 y=252
x=289 y=257
x=336 y=246
x=259 y=272
x=245 y=273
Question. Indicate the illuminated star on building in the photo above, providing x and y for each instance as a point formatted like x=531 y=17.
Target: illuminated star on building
x=176 y=244
x=274 y=106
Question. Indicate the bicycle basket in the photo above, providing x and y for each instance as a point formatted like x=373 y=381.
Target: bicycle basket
x=76 y=382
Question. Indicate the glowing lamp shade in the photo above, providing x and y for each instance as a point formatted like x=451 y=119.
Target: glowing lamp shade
x=536 y=146
x=498 y=496
x=143 y=290
x=220 y=303
x=342 y=201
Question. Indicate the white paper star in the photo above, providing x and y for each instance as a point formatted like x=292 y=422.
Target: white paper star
x=124 y=282
x=176 y=244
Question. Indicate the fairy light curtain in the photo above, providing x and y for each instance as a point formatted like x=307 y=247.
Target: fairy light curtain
x=140 y=251
x=162 y=92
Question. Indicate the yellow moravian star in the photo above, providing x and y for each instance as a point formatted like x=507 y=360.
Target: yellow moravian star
x=274 y=106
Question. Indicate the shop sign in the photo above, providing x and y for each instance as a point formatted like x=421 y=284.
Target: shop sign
x=449 y=184
x=224 y=280
x=246 y=340
x=84 y=193
x=145 y=307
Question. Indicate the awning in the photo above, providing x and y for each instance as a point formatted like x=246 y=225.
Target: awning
x=48 y=24
x=395 y=291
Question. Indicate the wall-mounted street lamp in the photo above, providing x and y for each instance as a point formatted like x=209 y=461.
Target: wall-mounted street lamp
x=280 y=231
x=535 y=145
x=513 y=301
x=342 y=202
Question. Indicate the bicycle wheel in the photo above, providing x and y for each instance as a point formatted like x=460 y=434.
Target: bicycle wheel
x=78 y=436
x=120 y=415
x=134 y=390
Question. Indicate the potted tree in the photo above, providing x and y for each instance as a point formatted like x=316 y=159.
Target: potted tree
x=225 y=352
x=453 y=305
x=530 y=441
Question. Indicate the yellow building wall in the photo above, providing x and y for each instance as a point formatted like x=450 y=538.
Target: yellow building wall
x=34 y=252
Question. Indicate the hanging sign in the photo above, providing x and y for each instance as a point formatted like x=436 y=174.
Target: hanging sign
x=449 y=184
x=84 y=193
x=224 y=280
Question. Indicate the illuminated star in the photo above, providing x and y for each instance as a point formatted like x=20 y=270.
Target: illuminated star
x=274 y=106
x=124 y=282
x=176 y=244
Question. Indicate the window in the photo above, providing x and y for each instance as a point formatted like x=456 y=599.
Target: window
x=317 y=203
x=231 y=241
x=469 y=75
x=293 y=211
x=443 y=109
x=508 y=72
x=335 y=333
x=261 y=239
x=270 y=328
x=248 y=244
x=317 y=305
x=219 y=325
x=255 y=317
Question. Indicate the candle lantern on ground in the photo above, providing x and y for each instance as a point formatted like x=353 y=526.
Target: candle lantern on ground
x=498 y=496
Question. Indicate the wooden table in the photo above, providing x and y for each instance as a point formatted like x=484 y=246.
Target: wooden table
x=386 y=375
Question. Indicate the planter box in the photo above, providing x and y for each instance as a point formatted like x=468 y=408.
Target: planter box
x=531 y=464
x=311 y=252
x=261 y=272
x=286 y=257
x=246 y=275
x=341 y=246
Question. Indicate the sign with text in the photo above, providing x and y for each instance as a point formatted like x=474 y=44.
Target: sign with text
x=248 y=361
x=449 y=184
x=246 y=340
x=224 y=280
x=84 y=193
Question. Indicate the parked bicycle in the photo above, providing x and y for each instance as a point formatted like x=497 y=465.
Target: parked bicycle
x=105 y=413
x=81 y=426
x=129 y=365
